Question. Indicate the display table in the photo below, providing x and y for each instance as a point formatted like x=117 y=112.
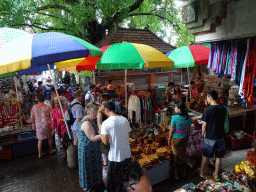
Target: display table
x=239 y=111
x=19 y=141
x=158 y=173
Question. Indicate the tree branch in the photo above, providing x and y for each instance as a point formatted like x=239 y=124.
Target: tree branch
x=55 y=6
x=118 y=14
x=156 y=9
x=36 y=26
x=49 y=15
x=160 y=16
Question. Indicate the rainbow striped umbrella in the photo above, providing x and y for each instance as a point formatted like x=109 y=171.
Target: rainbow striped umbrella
x=132 y=56
x=28 y=51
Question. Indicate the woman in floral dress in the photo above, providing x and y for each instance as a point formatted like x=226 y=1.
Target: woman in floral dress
x=41 y=120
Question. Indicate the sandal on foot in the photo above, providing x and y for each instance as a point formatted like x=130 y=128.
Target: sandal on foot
x=53 y=151
x=41 y=155
x=216 y=179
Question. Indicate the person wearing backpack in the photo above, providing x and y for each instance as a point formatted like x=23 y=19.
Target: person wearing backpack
x=78 y=114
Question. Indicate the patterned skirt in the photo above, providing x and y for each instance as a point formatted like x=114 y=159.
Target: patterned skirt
x=179 y=150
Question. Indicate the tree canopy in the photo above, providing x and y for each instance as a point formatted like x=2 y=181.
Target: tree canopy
x=91 y=19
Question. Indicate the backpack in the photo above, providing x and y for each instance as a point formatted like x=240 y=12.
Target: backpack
x=69 y=115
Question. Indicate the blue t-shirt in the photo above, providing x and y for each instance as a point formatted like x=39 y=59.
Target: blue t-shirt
x=180 y=123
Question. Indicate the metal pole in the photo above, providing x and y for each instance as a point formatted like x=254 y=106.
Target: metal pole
x=53 y=80
x=125 y=85
x=189 y=86
x=94 y=78
x=181 y=77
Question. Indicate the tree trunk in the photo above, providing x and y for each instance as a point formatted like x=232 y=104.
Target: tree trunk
x=95 y=31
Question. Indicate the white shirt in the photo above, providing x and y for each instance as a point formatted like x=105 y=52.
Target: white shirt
x=90 y=97
x=117 y=128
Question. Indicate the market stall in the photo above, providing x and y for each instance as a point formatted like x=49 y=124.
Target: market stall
x=15 y=123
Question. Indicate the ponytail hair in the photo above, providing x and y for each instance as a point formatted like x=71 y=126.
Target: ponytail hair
x=183 y=109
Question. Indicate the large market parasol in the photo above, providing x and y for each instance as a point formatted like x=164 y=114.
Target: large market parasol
x=188 y=56
x=34 y=50
x=86 y=66
x=132 y=56
x=30 y=52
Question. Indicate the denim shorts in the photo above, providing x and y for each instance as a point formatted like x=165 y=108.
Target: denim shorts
x=75 y=134
x=212 y=147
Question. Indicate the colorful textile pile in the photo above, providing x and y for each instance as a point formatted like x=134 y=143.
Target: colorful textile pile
x=235 y=59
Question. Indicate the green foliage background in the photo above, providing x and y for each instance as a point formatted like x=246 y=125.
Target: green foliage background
x=90 y=19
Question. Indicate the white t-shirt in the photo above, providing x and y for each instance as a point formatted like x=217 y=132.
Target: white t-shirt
x=117 y=128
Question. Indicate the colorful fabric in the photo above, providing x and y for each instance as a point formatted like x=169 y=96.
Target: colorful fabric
x=58 y=121
x=179 y=147
x=89 y=159
x=241 y=91
x=67 y=95
x=41 y=114
x=250 y=71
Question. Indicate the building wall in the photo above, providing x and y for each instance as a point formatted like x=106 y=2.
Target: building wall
x=239 y=22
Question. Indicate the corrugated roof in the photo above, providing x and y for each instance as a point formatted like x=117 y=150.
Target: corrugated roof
x=143 y=36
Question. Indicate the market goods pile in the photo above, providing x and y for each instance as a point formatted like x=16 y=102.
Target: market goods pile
x=242 y=174
x=149 y=150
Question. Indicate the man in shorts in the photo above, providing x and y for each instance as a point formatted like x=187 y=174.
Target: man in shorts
x=78 y=113
x=213 y=133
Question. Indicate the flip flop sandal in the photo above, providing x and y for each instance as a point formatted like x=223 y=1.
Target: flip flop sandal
x=40 y=157
x=53 y=151
x=216 y=179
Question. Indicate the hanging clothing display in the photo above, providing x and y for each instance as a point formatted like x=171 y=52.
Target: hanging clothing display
x=141 y=104
x=235 y=59
x=250 y=71
x=134 y=106
x=241 y=91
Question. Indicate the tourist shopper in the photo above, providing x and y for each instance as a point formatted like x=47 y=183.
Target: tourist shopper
x=100 y=119
x=176 y=95
x=89 y=97
x=41 y=120
x=40 y=88
x=178 y=138
x=65 y=93
x=78 y=113
x=58 y=124
x=115 y=132
x=130 y=177
x=199 y=83
x=89 y=155
x=213 y=133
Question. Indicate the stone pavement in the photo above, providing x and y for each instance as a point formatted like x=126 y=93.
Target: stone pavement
x=30 y=174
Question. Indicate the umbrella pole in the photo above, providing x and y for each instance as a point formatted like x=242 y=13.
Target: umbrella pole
x=53 y=80
x=181 y=77
x=189 y=86
x=125 y=85
x=94 y=78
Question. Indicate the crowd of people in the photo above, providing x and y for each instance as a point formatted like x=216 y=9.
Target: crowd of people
x=98 y=132
x=102 y=136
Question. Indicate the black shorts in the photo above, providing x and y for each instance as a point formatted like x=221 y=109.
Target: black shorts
x=212 y=147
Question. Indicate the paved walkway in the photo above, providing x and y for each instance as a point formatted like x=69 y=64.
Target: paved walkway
x=28 y=173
